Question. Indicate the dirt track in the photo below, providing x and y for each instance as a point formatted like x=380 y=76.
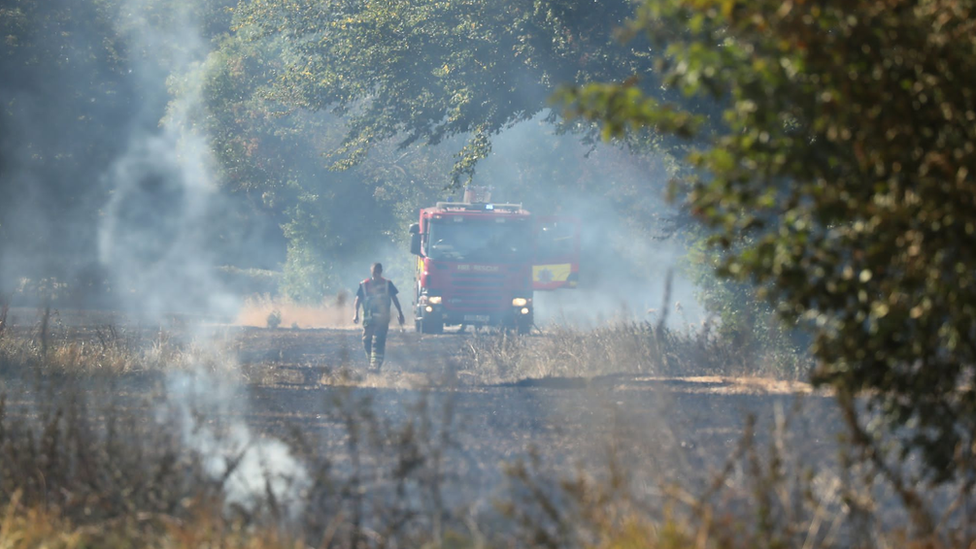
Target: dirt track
x=669 y=429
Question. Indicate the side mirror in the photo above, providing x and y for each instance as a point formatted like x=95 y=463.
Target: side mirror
x=415 y=239
x=415 y=244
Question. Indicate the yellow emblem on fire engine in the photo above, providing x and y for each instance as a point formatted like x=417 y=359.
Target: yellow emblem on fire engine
x=551 y=273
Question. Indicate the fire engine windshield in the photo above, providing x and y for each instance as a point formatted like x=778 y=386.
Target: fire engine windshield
x=497 y=240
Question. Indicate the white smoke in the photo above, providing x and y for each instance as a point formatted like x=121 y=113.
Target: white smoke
x=154 y=240
x=153 y=236
x=251 y=467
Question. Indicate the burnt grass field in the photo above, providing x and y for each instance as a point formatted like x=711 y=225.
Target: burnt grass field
x=457 y=433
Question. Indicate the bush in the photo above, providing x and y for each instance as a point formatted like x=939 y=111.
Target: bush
x=274 y=319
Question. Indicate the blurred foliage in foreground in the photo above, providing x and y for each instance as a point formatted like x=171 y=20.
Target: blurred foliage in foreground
x=841 y=182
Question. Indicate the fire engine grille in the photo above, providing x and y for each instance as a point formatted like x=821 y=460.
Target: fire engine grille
x=477 y=292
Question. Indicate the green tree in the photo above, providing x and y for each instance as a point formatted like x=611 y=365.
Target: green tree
x=419 y=71
x=841 y=183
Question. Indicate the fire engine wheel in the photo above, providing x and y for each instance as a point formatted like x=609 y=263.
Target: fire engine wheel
x=520 y=326
x=431 y=326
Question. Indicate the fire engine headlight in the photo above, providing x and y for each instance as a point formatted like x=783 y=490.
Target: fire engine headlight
x=434 y=300
x=520 y=302
x=525 y=310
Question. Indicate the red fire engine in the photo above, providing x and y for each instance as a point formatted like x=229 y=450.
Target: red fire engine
x=480 y=262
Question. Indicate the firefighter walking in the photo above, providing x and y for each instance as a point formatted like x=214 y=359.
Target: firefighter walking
x=375 y=295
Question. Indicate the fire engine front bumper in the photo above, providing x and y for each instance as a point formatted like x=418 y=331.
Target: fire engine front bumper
x=508 y=316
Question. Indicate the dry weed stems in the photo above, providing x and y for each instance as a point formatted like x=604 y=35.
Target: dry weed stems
x=623 y=347
x=107 y=464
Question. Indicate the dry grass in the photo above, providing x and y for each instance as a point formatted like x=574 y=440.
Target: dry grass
x=49 y=347
x=767 y=495
x=109 y=353
x=90 y=467
x=93 y=468
x=23 y=527
x=621 y=347
x=617 y=347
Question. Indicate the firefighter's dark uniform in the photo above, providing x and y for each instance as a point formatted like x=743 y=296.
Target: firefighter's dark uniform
x=376 y=297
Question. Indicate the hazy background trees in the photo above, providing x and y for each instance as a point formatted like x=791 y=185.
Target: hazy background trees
x=67 y=96
x=75 y=87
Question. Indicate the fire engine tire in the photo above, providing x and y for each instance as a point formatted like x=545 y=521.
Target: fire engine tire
x=431 y=326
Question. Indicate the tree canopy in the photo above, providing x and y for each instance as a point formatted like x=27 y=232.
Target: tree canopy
x=428 y=71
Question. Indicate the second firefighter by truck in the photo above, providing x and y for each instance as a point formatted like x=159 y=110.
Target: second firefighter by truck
x=375 y=294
